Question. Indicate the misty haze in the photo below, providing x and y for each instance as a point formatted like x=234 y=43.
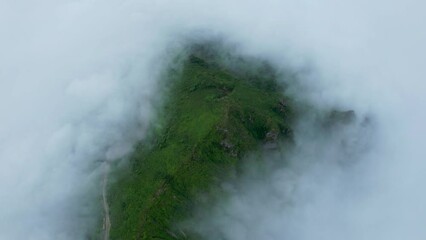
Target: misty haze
x=184 y=119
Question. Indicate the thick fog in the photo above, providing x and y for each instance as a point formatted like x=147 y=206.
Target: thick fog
x=79 y=82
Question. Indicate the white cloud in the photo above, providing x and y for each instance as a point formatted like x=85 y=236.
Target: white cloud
x=76 y=78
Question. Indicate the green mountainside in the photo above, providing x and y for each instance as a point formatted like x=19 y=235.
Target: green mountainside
x=213 y=117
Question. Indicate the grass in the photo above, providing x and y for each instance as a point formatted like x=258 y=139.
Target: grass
x=213 y=117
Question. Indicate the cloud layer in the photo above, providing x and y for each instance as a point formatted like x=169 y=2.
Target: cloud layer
x=78 y=77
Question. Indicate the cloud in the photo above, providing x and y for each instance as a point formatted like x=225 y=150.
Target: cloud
x=78 y=77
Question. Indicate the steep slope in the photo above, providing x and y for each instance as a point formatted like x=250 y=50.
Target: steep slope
x=214 y=116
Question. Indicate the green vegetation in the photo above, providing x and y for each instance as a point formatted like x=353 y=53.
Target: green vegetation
x=213 y=117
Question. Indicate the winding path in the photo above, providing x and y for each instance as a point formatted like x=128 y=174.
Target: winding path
x=107 y=221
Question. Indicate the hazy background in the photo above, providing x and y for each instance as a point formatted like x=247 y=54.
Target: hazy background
x=78 y=77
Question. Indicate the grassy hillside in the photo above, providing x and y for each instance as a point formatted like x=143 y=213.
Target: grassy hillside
x=212 y=118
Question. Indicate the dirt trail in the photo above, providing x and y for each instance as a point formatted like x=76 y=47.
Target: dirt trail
x=107 y=221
